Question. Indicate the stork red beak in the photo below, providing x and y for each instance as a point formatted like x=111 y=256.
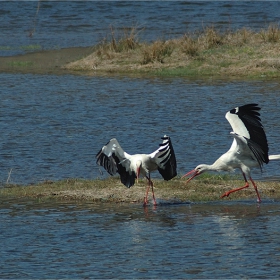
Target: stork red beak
x=194 y=173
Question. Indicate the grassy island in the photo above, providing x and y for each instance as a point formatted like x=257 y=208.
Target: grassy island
x=209 y=53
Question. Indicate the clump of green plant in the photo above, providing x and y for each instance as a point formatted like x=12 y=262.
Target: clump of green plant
x=157 y=51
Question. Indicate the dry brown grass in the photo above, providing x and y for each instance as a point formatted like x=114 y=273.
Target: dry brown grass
x=157 y=51
x=117 y=42
x=111 y=190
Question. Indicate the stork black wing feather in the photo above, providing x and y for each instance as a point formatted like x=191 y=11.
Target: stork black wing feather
x=108 y=163
x=169 y=169
x=257 y=151
x=251 y=118
x=128 y=179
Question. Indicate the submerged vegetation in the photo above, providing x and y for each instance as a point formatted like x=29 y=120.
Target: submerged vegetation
x=204 y=188
x=23 y=47
x=210 y=52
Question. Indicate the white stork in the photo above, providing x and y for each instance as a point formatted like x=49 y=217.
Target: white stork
x=249 y=147
x=114 y=159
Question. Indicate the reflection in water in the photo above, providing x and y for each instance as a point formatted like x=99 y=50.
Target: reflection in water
x=211 y=240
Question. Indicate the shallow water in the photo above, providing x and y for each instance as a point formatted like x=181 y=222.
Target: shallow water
x=212 y=240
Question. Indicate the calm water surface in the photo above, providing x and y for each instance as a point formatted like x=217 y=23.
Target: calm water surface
x=64 y=240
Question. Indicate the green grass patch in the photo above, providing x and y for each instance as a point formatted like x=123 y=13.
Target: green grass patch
x=21 y=63
x=35 y=47
x=31 y=47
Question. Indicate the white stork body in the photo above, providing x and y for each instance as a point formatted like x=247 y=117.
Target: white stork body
x=249 y=147
x=115 y=160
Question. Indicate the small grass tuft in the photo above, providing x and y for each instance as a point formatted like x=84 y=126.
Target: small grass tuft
x=272 y=34
x=157 y=51
x=127 y=41
x=211 y=38
x=118 y=42
x=190 y=46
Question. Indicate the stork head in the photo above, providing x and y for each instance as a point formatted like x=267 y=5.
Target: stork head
x=138 y=169
x=197 y=171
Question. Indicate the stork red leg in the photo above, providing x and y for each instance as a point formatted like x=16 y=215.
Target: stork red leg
x=154 y=198
x=146 y=196
x=256 y=189
x=150 y=184
x=238 y=189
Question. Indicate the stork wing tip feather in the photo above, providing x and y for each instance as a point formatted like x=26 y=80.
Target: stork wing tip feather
x=166 y=159
x=114 y=160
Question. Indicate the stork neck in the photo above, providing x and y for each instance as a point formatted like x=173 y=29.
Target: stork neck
x=210 y=167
